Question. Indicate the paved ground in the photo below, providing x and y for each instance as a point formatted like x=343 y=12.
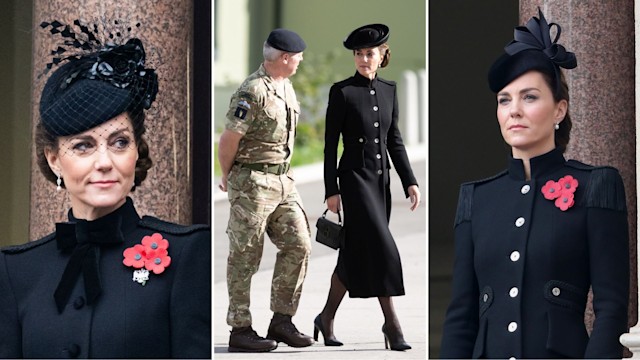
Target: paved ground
x=358 y=322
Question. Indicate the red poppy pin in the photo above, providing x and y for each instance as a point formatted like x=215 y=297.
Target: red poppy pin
x=561 y=191
x=152 y=255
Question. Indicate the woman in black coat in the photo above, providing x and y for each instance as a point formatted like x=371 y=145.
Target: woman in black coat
x=107 y=283
x=532 y=240
x=364 y=109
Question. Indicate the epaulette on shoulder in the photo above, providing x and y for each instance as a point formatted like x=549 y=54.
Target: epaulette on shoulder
x=388 y=82
x=154 y=223
x=465 y=198
x=605 y=188
x=16 y=249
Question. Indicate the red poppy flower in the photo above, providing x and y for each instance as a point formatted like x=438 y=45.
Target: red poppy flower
x=565 y=201
x=568 y=184
x=135 y=256
x=157 y=260
x=551 y=190
x=155 y=241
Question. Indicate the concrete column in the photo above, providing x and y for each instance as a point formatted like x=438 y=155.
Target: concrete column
x=602 y=95
x=166 y=31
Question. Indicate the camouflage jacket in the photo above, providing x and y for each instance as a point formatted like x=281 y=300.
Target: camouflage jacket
x=267 y=116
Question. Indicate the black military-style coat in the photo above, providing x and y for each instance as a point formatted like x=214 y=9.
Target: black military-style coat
x=168 y=317
x=523 y=266
x=365 y=113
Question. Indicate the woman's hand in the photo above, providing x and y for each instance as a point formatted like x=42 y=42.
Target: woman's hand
x=333 y=203
x=414 y=195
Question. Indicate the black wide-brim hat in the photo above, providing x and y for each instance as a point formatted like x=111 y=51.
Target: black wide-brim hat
x=84 y=104
x=367 y=36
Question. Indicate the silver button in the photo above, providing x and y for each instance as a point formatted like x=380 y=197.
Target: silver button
x=372 y=92
x=519 y=221
x=485 y=297
x=513 y=292
x=376 y=124
x=515 y=256
x=380 y=172
x=376 y=140
x=378 y=156
x=555 y=291
x=361 y=140
x=512 y=358
x=525 y=189
x=513 y=326
x=375 y=108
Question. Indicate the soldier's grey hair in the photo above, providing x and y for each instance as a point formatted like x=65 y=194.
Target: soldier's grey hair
x=270 y=53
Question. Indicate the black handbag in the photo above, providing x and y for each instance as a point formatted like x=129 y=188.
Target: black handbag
x=330 y=233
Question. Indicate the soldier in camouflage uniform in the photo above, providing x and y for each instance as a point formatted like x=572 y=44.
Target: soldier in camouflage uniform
x=255 y=152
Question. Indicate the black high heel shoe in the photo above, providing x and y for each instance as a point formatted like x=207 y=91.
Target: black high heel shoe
x=317 y=326
x=395 y=341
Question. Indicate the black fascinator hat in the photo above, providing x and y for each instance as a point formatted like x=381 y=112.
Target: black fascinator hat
x=531 y=49
x=367 y=36
x=95 y=86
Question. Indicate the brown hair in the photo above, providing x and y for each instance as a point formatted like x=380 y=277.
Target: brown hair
x=560 y=92
x=386 y=54
x=44 y=140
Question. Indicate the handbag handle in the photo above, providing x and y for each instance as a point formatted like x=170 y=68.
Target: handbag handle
x=324 y=215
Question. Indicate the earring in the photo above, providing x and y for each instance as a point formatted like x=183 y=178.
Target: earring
x=59 y=182
x=556 y=126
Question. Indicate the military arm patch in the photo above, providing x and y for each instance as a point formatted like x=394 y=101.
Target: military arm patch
x=242 y=110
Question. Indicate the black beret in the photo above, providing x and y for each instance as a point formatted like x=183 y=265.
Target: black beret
x=90 y=90
x=367 y=36
x=286 y=40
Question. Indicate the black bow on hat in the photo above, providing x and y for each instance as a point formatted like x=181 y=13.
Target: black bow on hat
x=531 y=49
x=84 y=238
x=537 y=35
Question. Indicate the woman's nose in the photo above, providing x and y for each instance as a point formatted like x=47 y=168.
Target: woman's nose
x=103 y=158
x=515 y=110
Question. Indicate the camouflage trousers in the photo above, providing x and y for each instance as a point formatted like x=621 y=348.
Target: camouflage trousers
x=265 y=203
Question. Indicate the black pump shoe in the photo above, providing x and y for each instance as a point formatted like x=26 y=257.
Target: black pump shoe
x=394 y=340
x=317 y=326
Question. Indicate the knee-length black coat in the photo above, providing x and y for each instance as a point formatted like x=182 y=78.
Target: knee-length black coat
x=365 y=113
x=524 y=266
x=168 y=317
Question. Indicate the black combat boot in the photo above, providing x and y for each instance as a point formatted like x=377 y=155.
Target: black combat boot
x=282 y=329
x=245 y=339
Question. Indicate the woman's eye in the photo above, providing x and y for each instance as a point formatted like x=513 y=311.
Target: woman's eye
x=82 y=147
x=503 y=101
x=121 y=143
x=530 y=97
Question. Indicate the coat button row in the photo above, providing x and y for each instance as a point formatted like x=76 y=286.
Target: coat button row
x=376 y=124
x=513 y=326
x=361 y=140
x=555 y=291
x=376 y=140
x=515 y=256
x=525 y=189
x=379 y=171
x=378 y=156
x=375 y=108
x=519 y=221
x=372 y=92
